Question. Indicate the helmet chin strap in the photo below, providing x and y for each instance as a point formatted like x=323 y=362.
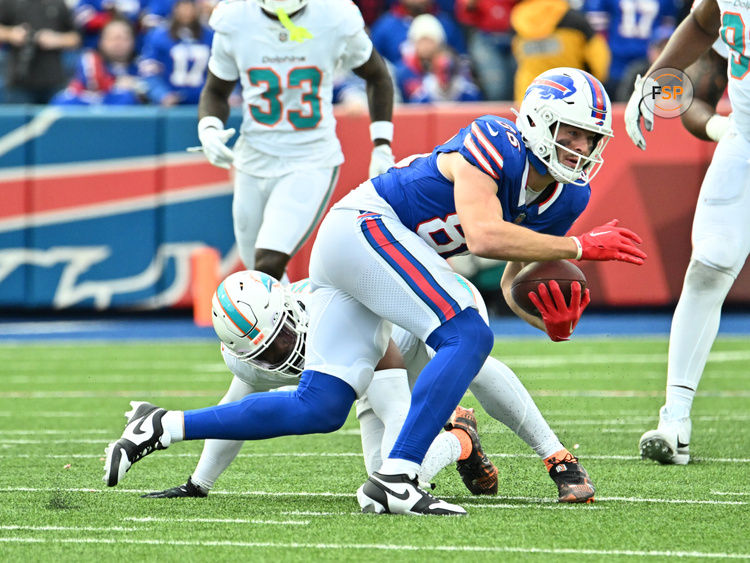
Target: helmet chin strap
x=296 y=33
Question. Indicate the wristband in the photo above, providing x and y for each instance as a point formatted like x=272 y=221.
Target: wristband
x=580 y=248
x=716 y=126
x=210 y=122
x=381 y=130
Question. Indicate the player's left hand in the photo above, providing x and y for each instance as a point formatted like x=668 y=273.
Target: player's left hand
x=560 y=319
x=381 y=160
x=637 y=109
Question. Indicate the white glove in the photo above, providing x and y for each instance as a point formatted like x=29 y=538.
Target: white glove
x=716 y=126
x=381 y=160
x=213 y=138
x=637 y=108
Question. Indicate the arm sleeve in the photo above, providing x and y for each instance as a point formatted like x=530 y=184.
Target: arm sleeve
x=357 y=51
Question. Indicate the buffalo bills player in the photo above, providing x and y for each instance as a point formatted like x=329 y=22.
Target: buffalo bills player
x=497 y=189
x=277 y=361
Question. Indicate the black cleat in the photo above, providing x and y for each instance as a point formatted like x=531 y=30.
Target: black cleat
x=573 y=483
x=479 y=474
x=187 y=490
x=143 y=434
x=398 y=494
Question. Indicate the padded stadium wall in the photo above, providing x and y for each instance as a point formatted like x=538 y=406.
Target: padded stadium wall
x=103 y=208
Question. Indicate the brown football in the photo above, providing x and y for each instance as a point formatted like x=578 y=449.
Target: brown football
x=529 y=278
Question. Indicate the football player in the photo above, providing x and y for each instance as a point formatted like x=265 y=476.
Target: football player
x=720 y=234
x=277 y=361
x=287 y=157
x=498 y=189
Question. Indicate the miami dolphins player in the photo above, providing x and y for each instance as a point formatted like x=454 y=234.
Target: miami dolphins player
x=382 y=410
x=497 y=189
x=287 y=157
x=720 y=233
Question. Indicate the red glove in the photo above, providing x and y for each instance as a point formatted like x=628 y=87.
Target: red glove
x=559 y=319
x=610 y=242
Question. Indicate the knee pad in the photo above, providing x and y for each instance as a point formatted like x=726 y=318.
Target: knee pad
x=720 y=252
x=703 y=277
x=468 y=331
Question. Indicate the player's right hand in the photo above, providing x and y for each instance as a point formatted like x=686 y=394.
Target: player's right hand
x=610 y=242
x=637 y=110
x=213 y=138
x=560 y=319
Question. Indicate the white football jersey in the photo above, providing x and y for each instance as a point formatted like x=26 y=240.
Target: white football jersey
x=735 y=32
x=287 y=86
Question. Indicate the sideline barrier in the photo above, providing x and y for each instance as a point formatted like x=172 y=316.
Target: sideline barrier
x=104 y=208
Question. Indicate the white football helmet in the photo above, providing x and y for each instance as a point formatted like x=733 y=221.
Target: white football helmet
x=260 y=322
x=570 y=96
x=289 y=6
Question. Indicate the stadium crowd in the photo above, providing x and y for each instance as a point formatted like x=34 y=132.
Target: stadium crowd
x=126 y=52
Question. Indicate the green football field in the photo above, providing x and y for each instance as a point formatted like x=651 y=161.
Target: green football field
x=292 y=499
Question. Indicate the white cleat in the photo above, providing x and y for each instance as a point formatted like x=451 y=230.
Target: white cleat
x=669 y=444
x=399 y=494
x=143 y=434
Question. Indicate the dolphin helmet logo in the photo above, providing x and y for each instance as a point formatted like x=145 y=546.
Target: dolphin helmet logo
x=552 y=87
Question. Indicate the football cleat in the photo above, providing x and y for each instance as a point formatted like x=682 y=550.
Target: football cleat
x=400 y=494
x=479 y=474
x=143 y=434
x=669 y=443
x=573 y=483
x=187 y=490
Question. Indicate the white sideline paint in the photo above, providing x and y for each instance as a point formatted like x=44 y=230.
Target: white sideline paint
x=386 y=547
x=536 y=500
x=220 y=520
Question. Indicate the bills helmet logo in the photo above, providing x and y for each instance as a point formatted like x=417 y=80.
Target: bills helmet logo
x=553 y=87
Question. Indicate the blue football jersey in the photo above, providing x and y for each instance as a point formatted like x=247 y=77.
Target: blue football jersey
x=171 y=65
x=423 y=198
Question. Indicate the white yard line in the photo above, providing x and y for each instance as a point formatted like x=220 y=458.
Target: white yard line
x=326 y=494
x=220 y=521
x=386 y=547
x=114 y=393
x=356 y=455
x=69 y=528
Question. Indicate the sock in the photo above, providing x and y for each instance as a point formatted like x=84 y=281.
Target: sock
x=558 y=456
x=444 y=450
x=694 y=328
x=394 y=466
x=371 y=433
x=461 y=345
x=388 y=395
x=320 y=404
x=173 y=423
x=504 y=397
x=465 y=442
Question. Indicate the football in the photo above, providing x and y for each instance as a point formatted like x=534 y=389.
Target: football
x=529 y=278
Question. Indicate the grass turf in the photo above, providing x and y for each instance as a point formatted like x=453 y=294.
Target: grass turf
x=292 y=498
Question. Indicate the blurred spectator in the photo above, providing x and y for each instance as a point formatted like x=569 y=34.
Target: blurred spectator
x=429 y=71
x=107 y=75
x=389 y=32
x=371 y=10
x=659 y=39
x=175 y=57
x=92 y=15
x=37 y=32
x=550 y=34
x=489 y=34
x=628 y=26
